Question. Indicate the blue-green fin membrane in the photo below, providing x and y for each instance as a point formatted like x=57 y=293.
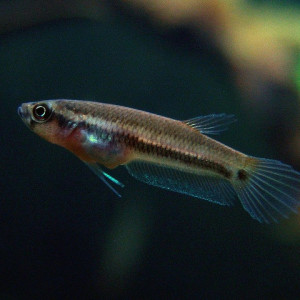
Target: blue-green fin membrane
x=211 y=124
x=213 y=189
x=271 y=190
x=96 y=169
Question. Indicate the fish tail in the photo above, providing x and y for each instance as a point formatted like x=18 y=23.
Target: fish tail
x=268 y=189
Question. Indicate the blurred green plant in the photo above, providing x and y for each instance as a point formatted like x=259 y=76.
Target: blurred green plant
x=297 y=73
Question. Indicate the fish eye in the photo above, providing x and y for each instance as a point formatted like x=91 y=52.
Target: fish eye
x=41 y=112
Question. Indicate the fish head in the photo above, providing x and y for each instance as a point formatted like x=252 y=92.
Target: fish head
x=41 y=118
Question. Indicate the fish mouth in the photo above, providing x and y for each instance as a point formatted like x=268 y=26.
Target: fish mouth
x=20 y=112
x=24 y=115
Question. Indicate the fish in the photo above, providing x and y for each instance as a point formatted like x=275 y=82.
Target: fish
x=171 y=154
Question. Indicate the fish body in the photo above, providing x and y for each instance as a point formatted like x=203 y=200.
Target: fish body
x=172 y=154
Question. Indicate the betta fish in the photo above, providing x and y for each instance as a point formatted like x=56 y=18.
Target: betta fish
x=167 y=153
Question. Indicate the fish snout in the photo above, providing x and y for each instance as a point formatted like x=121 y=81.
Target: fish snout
x=20 y=112
x=24 y=111
x=24 y=114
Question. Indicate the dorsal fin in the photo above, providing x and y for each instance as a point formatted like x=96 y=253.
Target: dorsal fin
x=211 y=124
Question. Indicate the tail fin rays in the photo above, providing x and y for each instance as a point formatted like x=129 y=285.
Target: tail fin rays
x=271 y=190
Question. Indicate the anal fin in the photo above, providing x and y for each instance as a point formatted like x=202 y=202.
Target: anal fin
x=213 y=189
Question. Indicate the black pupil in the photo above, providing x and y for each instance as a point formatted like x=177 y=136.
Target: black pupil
x=40 y=111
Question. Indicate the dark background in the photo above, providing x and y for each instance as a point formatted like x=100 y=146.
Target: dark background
x=65 y=235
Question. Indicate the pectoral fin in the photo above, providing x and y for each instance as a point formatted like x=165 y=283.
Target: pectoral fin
x=96 y=169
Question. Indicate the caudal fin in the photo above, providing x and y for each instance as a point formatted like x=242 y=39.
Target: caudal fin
x=268 y=189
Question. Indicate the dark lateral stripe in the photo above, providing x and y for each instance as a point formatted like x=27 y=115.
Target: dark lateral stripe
x=133 y=142
x=63 y=122
x=149 y=148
